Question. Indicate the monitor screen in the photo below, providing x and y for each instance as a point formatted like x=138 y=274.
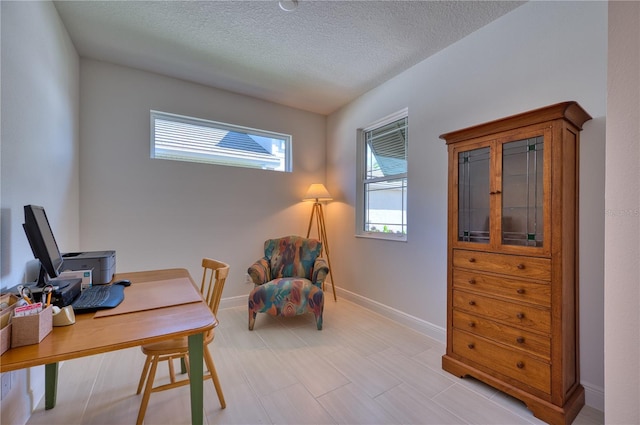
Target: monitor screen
x=43 y=244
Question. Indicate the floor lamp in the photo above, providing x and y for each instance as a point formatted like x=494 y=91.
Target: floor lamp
x=318 y=193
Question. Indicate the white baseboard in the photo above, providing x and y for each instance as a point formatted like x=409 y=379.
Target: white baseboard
x=593 y=396
x=232 y=302
x=426 y=328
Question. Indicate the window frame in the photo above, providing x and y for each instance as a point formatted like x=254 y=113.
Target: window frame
x=361 y=180
x=203 y=158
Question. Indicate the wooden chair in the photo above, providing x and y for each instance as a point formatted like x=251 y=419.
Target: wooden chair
x=213 y=278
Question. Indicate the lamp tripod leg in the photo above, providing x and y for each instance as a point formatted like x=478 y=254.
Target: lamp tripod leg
x=313 y=213
x=325 y=243
x=317 y=212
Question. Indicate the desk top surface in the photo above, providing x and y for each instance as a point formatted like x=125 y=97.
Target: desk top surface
x=93 y=335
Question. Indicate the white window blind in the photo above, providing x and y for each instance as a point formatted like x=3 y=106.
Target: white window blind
x=181 y=138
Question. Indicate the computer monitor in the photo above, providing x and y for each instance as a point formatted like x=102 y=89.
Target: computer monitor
x=43 y=243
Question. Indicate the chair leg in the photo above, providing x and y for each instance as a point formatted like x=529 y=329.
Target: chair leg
x=147 y=390
x=187 y=367
x=145 y=371
x=214 y=376
x=252 y=319
x=172 y=373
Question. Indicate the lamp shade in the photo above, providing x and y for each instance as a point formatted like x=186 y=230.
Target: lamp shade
x=318 y=193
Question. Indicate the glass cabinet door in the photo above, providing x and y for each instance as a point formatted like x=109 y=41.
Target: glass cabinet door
x=522 y=192
x=473 y=195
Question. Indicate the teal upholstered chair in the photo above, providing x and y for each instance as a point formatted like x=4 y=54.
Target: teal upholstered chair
x=288 y=279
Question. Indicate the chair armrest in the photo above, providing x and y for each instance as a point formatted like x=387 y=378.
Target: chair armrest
x=320 y=271
x=260 y=271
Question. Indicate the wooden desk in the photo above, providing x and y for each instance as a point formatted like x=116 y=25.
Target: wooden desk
x=91 y=335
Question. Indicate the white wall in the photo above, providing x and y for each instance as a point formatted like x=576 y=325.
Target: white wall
x=622 y=222
x=161 y=214
x=539 y=54
x=39 y=101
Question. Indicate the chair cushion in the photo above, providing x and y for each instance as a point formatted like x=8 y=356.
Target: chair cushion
x=287 y=297
x=292 y=256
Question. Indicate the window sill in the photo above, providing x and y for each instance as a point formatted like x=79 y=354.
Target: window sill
x=383 y=237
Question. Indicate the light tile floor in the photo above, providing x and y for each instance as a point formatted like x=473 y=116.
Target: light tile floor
x=362 y=368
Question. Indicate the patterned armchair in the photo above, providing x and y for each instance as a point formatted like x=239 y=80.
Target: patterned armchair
x=288 y=279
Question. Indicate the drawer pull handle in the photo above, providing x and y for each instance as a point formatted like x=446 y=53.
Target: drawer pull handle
x=520 y=291
x=520 y=315
x=520 y=365
x=472 y=281
x=472 y=325
x=520 y=340
x=472 y=302
x=471 y=346
x=472 y=260
x=520 y=266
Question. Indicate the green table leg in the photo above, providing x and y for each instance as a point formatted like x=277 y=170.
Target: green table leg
x=50 y=385
x=196 y=351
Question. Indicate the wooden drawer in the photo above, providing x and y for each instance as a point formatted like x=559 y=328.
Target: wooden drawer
x=511 y=363
x=512 y=265
x=517 y=290
x=519 y=315
x=514 y=337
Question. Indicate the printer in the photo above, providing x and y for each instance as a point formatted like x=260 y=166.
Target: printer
x=102 y=264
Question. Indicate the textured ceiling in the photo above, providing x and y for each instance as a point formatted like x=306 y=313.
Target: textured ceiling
x=317 y=57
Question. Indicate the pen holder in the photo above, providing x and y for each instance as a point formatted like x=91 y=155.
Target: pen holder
x=32 y=329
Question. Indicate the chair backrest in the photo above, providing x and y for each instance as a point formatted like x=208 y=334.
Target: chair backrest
x=292 y=256
x=214 y=275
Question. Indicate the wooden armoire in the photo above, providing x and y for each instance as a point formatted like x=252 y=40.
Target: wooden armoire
x=512 y=279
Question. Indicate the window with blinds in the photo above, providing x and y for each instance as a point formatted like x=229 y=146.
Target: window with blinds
x=382 y=210
x=182 y=138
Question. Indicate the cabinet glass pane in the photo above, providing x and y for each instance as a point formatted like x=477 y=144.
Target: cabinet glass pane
x=522 y=192
x=473 y=195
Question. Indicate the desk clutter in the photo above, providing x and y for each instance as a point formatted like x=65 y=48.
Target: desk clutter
x=23 y=321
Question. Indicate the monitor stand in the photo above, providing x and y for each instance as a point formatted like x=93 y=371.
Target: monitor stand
x=43 y=280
